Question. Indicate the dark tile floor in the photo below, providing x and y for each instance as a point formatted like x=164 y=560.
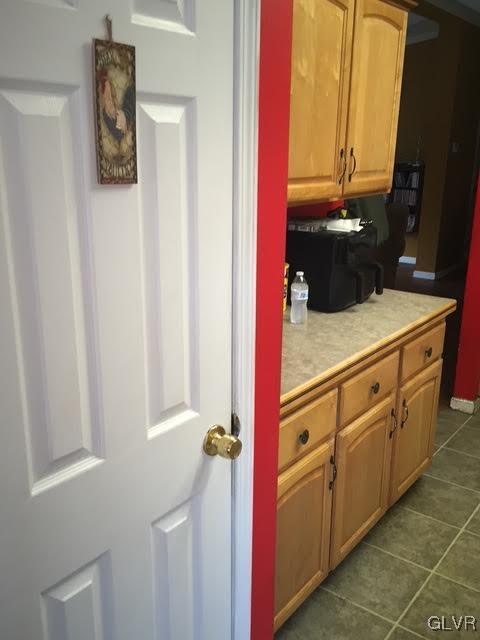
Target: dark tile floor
x=422 y=559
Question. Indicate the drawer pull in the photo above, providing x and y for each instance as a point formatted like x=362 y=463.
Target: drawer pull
x=405 y=413
x=376 y=388
x=334 y=476
x=428 y=352
x=304 y=436
x=394 y=424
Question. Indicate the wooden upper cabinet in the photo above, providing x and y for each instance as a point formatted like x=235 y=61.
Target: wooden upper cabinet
x=347 y=63
x=377 y=67
x=321 y=56
x=414 y=438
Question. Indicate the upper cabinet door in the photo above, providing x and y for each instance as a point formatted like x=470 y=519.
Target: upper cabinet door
x=321 y=57
x=377 y=65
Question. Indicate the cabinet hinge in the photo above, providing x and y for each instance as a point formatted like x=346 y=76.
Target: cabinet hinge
x=235 y=424
x=334 y=473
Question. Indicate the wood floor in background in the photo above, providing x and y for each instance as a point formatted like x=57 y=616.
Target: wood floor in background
x=452 y=286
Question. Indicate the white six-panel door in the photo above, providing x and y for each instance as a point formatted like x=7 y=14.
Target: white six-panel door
x=114 y=328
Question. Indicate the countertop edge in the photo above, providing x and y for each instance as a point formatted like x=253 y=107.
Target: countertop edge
x=339 y=368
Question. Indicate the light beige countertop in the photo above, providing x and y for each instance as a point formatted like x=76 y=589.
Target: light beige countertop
x=330 y=342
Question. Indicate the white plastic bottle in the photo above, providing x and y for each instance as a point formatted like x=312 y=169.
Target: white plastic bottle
x=298 y=299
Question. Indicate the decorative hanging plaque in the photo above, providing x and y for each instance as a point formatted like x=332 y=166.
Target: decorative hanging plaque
x=115 y=102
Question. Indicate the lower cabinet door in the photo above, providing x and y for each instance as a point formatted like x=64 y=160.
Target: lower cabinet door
x=362 y=457
x=304 y=505
x=414 y=439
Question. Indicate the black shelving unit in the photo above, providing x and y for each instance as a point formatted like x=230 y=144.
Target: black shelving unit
x=407 y=189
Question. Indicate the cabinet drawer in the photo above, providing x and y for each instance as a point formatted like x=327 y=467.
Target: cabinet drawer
x=422 y=351
x=368 y=387
x=303 y=430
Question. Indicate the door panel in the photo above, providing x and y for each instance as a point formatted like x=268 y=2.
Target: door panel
x=303 y=529
x=414 y=439
x=377 y=66
x=362 y=455
x=321 y=55
x=113 y=521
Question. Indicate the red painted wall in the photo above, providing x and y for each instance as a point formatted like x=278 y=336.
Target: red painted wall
x=274 y=103
x=467 y=378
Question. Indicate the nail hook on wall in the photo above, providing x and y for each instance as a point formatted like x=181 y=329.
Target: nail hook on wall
x=108 y=22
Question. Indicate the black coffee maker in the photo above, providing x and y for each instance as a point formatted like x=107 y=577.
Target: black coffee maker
x=340 y=267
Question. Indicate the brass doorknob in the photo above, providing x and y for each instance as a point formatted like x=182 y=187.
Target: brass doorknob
x=218 y=442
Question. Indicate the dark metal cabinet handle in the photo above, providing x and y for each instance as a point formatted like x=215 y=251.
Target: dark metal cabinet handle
x=304 y=436
x=334 y=476
x=342 y=175
x=352 y=155
x=405 y=414
x=394 y=424
x=376 y=388
x=428 y=352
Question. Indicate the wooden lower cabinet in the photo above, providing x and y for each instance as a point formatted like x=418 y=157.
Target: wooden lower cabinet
x=371 y=429
x=414 y=438
x=362 y=456
x=304 y=507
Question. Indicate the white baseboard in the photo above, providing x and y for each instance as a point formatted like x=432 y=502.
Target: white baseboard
x=465 y=406
x=407 y=260
x=436 y=275
x=424 y=275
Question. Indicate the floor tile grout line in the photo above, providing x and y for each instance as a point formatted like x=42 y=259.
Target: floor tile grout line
x=359 y=606
x=470 y=455
x=461 y=584
x=414 y=633
x=415 y=596
x=394 y=555
x=452 y=436
x=421 y=566
x=429 y=577
x=419 y=513
x=448 y=524
x=455 y=484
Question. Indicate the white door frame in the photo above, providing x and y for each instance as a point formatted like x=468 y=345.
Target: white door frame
x=246 y=57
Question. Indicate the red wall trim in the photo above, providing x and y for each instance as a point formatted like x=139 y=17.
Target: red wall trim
x=467 y=378
x=273 y=117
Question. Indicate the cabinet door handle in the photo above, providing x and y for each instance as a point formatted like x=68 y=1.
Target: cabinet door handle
x=405 y=413
x=304 y=436
x=394 y=424
x=376 y=388
x=429 y=352
x=352 y=155
x=334 y=476
x=344 y=156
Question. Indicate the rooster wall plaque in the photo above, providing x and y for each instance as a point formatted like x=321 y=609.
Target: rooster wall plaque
x=114 y=87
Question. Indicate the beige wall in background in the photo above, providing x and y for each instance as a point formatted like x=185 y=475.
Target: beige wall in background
x=438 y=105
